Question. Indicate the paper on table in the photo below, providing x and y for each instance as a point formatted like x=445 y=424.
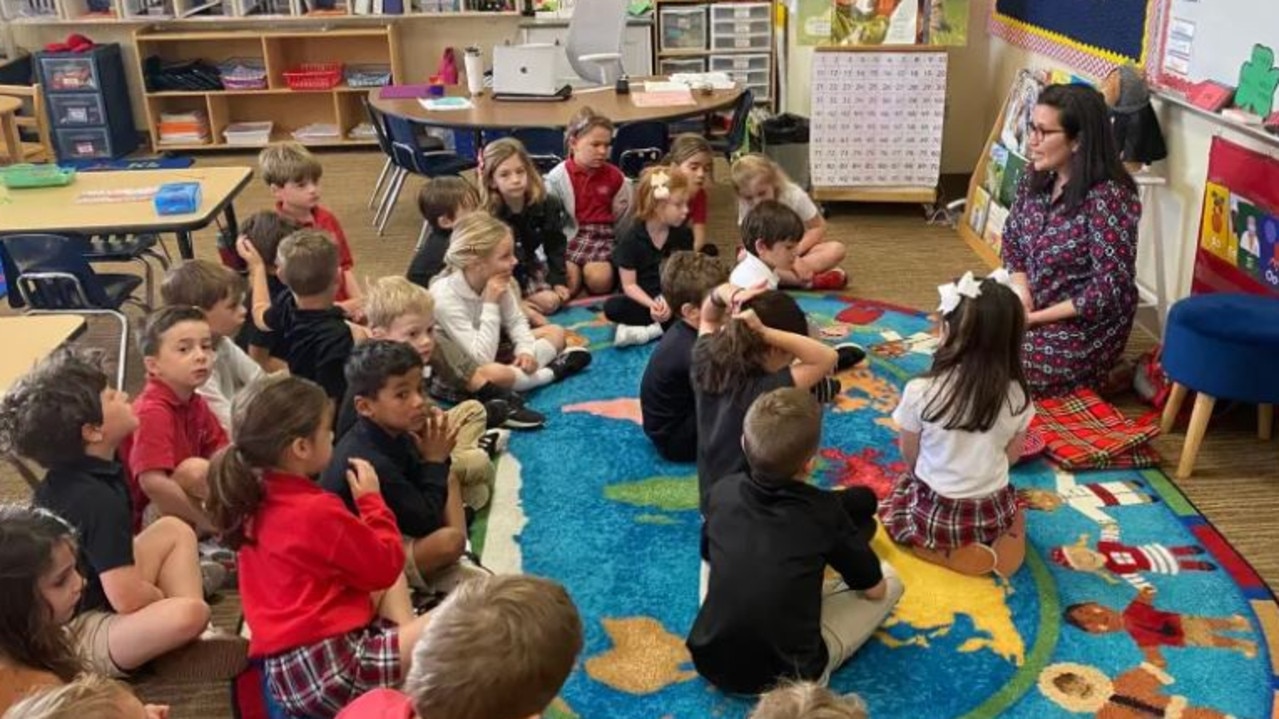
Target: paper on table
x=673 y=98
x=446 y=103
x=717 y=80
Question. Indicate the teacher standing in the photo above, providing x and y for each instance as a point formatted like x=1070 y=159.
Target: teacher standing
x=1071 y=244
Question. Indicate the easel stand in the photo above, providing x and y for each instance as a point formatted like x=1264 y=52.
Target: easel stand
x=877 y=116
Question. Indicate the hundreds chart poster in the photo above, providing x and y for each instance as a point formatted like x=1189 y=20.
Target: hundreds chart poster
x=877 y=118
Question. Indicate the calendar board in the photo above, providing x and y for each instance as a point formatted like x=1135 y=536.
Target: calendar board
x=877 y=117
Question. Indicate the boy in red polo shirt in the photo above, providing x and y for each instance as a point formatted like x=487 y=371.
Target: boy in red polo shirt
x=293 y=174
x=167 y=455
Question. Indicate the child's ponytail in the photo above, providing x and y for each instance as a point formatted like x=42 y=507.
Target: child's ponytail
x=267 y=417
x=737 y=352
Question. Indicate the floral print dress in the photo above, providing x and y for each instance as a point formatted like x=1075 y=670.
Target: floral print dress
x=1088 y=255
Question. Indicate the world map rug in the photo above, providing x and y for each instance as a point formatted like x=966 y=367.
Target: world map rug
x=1130 y=604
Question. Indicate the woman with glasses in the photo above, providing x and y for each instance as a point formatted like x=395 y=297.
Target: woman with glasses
x=1071 y=244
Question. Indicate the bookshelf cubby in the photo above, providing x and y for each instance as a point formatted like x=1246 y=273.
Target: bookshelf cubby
x=279 y=51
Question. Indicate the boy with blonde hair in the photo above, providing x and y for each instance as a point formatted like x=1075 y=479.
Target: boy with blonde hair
x=219 y=293
x=401 y=310
x=293 y=174
x=770 y=536
x=806 y=700
x=499 y=647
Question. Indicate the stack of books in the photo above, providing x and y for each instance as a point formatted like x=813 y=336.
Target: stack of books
x=184 y=128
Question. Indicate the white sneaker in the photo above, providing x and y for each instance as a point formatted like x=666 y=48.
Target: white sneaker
x=628 y=335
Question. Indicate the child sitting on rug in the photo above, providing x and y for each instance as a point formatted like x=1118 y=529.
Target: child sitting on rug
x=265 y=230
x=692 y=154
x=808 y=700
x=963 y=422
x=88 y=696
x=499 y=647
x=476 y=301
x=219 y=293
x=442 y=201
x=768 y=613
x=514 y=193
x=667 y=402
x=756 y=179
x=594 y=194
x=770 y=233
x=646 y=239
x=323 y=590
x=408 y=443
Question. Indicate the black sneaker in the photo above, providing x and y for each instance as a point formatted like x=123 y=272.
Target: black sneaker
x=826 y=390
x=569 y=363
x=850 y=355
x=496 y=412
x=494 y=442
x=709 y=250
x=524 y=418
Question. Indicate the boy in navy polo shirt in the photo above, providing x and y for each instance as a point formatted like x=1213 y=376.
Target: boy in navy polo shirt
x=143 y=596
x=409 y=444
x=265 y=231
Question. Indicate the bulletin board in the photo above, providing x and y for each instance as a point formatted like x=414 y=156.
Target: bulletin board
x=1090 y=35
x=877 y=118
x=1211 y=40
x=1239 y=228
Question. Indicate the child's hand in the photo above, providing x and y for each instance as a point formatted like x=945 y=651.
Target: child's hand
x=353 y=309
x=362 y=478
x=247 y=252
x=660 y=311
x=496 y=287
x=877 y=592
x=156 y=711
x=437 y=438
x=563 y=293
x=525 y=363
x=751 y=320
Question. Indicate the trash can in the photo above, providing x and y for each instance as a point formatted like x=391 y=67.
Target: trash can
x=785 y=141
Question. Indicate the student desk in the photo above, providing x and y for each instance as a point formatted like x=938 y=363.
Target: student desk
x=489 y=114
x=54 y=209
x=29 y=339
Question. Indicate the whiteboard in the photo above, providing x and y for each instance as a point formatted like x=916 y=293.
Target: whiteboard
x=1211 y=39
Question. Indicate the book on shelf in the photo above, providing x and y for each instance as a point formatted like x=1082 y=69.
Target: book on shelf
x=996 y=218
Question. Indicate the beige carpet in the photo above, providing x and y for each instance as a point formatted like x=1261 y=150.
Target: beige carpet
x=893 y=256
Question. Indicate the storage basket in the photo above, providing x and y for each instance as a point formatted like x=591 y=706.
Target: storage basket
x=314 y=76
x=243 y=74
x=28 y=175
x=368 y=75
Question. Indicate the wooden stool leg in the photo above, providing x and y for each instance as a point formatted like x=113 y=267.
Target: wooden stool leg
x=1172 y=407
x=1265 y=420
x=1195 y=433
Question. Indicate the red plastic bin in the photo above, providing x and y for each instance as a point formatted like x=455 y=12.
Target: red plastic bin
x=314 y=76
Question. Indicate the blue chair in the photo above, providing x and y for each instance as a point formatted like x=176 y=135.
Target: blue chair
x=639 y=144
x=409 y=157
x=1219 y=346
x=49 y=274
x=383 y=144
x=545 y=146
x=736 y=137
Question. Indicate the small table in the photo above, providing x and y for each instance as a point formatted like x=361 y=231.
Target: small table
x=54 y=209
x=31 y=338
x=9 y=107
x=489 y=114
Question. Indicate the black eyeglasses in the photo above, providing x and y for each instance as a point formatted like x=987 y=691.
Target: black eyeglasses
x=1040 y=133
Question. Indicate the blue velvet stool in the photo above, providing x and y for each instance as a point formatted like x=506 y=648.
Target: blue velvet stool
x=1222 y=346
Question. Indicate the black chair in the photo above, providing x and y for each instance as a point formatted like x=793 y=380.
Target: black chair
x=637 y=145
x=129 y=248
x=545 y=146
x=736 y=137
x=49 y=274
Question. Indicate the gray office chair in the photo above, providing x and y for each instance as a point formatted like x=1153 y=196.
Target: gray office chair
x=594 y=45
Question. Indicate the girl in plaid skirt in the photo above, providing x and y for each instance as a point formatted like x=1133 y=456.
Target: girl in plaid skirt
x=323 y=589
x=962 y=424
x=594 y=193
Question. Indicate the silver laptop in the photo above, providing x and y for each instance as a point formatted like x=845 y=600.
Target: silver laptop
x=525 y=70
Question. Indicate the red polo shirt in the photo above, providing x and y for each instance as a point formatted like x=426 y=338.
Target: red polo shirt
x=169 y=431
x=593 y=192
x=311 y=565
x=322 y=219
x=697 y=208
x=379 y=704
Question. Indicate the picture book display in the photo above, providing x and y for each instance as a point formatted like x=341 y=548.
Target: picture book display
x=1239 y=227
x=877 y=118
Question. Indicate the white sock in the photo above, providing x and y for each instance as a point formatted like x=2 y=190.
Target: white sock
x=652 y=332
x=525 y=382
x=543 y=352
x=703 y=582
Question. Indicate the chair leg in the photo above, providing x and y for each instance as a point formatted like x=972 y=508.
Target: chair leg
x=148 y=279
x=393 y=201
x=1195 y=433
x=1172 y=407
x=381 y=179
x=384 y=203
x=1265 y=420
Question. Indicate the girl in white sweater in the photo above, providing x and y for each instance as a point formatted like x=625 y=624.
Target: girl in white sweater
x=476 y=302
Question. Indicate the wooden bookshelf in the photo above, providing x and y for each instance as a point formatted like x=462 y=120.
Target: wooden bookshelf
x=279 y=51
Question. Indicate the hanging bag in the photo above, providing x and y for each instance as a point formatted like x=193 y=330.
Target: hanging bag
x=447 y=69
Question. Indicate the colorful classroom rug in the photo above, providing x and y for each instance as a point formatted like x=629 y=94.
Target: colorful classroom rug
x=1167 y=619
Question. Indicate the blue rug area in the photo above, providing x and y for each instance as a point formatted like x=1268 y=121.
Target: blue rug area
x=131 y=163
x=588 y=502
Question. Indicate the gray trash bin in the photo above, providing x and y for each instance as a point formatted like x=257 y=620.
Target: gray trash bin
x=785 y=141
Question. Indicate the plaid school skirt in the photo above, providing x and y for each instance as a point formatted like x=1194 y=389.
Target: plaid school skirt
x=318 y=680
x=593 y=243
x=914 y=515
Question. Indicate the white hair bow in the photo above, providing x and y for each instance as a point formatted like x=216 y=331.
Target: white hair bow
x=968 y=286
x=659 y=182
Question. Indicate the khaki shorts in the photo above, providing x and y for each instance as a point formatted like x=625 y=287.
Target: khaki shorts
x=450 y=363
x=90 y=635
x=411 y=572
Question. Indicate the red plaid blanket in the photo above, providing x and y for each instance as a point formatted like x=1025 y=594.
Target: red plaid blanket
x=1084 y=431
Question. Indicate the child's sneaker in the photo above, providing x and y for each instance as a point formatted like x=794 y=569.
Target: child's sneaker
x=835 y=279
x=524 y=418
x=570 y=362
x=514 y=414
x=850 y=355
x=629 y=335
x=466 y=568
x=495 y=442
x=826 y=390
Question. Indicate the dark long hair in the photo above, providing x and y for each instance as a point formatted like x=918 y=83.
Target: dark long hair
x=1084 y=117
x=736 y=352
x=978 y=361
x=267 y=416
x=29 y=636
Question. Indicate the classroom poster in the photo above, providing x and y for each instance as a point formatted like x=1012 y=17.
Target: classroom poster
x=1270 y=251
x=1215 y=235
x=1015 y=133
x=1245 y=221
x=945 y=22
x=1239 y=226
x=812 y=22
